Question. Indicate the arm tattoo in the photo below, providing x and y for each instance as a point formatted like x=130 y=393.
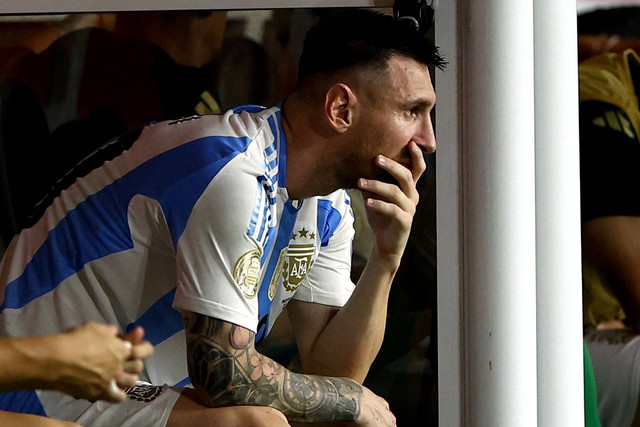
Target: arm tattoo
x=227 y=370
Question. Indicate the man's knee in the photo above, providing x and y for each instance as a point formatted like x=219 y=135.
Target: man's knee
x=261 y=416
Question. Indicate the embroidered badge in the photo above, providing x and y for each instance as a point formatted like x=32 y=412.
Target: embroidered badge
x=275 y=279
x=294 y=262
x=297 y=265
x=247 y=273
x=144 y=393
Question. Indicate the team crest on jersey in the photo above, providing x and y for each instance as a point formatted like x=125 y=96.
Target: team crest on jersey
x=143 y=393
x=247 y=273
x=294 y=262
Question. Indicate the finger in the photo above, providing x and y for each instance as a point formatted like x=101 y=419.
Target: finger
x=125 y=380
x=384 y=192
x=133 y=366
x=401 y=173
x=108 y=329
x=114 y=393
x=418 y=164
x=124 y=348
x=384 y=208
x=142 y=350
x=134 y=336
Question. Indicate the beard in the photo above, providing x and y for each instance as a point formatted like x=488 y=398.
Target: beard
x=355 y=167
x=388 y=178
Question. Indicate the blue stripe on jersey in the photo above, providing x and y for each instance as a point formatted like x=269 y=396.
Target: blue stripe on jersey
x=249 y=108
x=25 y=402
x=261 y=217
x=285 y=229
x=267 y=183
x=273 y=163
x=256 y=214
x=98 y=226
x=278 y=132
x=347 y=200
x=270 y=149
x=328 y=220
x=184 y=383
x=161 y=320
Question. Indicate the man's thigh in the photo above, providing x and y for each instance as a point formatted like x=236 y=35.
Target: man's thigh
x=188 y=412
x=146 y=405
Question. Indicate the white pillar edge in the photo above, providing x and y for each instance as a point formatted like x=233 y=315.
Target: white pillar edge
x=63 y=6
x=497 y=93
x=559 y=274
x=449 y=219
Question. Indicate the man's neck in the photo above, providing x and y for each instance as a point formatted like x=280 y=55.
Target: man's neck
x=309 y=161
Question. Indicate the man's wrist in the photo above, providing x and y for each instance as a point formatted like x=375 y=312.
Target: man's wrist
x=386 y=261
x=332 y=399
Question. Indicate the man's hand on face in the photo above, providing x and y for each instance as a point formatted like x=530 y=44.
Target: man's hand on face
x=391 y=207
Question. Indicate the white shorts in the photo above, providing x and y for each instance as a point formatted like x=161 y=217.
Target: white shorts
x=147 y=405
x=615 y=355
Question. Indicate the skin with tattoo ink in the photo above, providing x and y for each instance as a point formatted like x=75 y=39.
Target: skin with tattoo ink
x=227 y=370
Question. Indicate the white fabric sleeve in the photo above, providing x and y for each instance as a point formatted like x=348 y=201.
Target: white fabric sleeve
x=214 y=243
x=329 y=280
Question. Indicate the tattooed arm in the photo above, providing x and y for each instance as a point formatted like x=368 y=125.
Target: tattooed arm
x=226 y=370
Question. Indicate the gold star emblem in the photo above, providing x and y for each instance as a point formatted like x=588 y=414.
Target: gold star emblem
x=303 y=232
x=312 y=236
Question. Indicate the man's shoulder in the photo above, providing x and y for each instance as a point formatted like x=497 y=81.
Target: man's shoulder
x=243 y=121
x=339 y=200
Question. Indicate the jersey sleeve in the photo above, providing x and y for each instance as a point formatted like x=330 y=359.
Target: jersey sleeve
x=218 y=262
x=609 y=162
x=329 y=281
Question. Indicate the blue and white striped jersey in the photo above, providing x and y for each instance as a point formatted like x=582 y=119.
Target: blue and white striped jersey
x=193 y=215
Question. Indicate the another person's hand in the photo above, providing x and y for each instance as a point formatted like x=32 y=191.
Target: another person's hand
x=95 y=363
x=374 y=411
x=140 y=350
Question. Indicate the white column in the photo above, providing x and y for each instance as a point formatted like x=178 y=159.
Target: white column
x=449 y=218
x=499 y=212
x=559 y=284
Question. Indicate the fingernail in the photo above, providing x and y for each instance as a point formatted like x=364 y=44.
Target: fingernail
x=114 y=390
x=363 y=182
x=382 y=160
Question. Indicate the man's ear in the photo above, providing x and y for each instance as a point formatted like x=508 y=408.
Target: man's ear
x=339 y=106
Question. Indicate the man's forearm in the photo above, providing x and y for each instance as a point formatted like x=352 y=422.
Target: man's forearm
x=234 y=373
x=26 y=363
x=351 y=340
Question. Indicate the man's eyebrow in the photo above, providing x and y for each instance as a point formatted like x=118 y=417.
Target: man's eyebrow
x=420 y=102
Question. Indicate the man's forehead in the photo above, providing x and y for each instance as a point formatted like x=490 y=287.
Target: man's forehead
x=413 y=77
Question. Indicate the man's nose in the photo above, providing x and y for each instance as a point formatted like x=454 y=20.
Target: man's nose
x=427 y=140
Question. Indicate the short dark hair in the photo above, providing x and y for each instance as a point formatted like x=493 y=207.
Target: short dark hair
x=362 y=37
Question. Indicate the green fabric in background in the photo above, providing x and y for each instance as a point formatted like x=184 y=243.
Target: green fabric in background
x=591 y=418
